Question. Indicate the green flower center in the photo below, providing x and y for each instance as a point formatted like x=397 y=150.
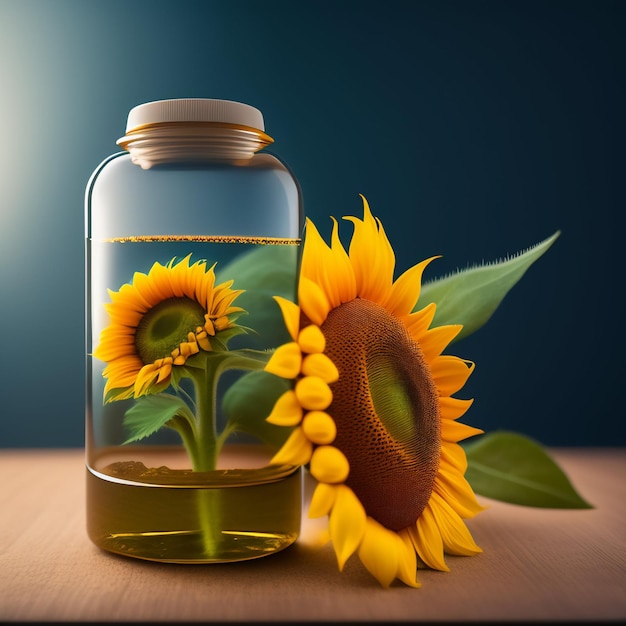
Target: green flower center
x=386 y=408
x=165 y=326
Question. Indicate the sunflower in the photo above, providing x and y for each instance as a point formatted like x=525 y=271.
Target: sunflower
x=371 y=407
x=160 y=320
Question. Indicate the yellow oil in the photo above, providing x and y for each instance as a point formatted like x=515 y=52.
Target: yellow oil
x=179 y=516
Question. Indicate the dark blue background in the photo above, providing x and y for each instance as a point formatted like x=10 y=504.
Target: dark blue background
x=474 y=128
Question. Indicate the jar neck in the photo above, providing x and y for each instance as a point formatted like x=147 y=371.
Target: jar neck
x=176 y=142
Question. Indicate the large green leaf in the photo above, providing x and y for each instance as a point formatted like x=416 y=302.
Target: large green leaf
x=264 y=272
x=250 y=400
x=151 y=413
x=513 y=468
x=470 y=297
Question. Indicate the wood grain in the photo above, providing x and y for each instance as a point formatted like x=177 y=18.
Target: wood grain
x=537 y=564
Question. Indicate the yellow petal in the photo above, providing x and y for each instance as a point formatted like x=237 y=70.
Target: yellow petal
x=287 y=410
x=291 y=315
x=370 y=248
x=295 y=451
x=313 y=301
x=145 y=378
x=456 y=537
x=450 y=373
x=315 y=249
x=318 y=264
x=319 y=427
x=379 y=552
x=453 y=408
x=434 y=341
x=164 y=371
x=321 y=366
x=457 y=492
x=322 y=500
x=346 y=524
x=417 y=323
x=406 y=290
x=187 y=348
x=286 y=361
x=407 y=566
x=203 y=341
x=311 y=339
x=343 y=275
x=329 y=465
x=456 y=431
x=123 y=371
x=453 y=458
x=427 y=540
x=313 y=393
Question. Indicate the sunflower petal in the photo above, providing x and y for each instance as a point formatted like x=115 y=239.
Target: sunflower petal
x=321 y=366
x=145 y=378
x=369 y=248
x=295 y=451
x=313 y=300
x=453 y=408
x=418 y=323
x=329 y=465
x=322 y=500
x=346 y=524
x=286 y=361
x=457 y=492
x=407 y=566
x=311 y=339
x=450 y=373
x=406 y=290
x=313 y=393
x=427 y=540
x=319 y=427
x=379 y=552
x=319 y=263
x=291 y=315
x=434 y=342
x=454 y=533
x=287 y=410
x=456 y=431
x=453 y=456
x=343 y=274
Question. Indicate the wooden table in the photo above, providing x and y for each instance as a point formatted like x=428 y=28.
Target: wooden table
x=538 y=564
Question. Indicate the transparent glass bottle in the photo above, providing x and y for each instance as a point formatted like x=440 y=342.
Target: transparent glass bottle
x=190 y=232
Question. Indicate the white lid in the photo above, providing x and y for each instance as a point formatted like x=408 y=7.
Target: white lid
x=195 y=110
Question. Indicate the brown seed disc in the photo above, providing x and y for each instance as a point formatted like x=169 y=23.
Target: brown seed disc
x=386 y=408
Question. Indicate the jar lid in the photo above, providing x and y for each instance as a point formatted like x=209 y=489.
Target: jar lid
x=194 y=110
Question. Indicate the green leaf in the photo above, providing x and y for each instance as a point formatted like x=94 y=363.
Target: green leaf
x=264 y=272
x=470 y=297
x=151 y=413
x=248 y=403
x=512 y=468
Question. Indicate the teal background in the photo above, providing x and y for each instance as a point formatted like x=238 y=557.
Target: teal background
x=474 y=128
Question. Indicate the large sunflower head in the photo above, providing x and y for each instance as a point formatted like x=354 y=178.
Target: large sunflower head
x=372 y=407
x=159 y=321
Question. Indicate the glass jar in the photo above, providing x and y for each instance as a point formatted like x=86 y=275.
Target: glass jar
x=191 y=231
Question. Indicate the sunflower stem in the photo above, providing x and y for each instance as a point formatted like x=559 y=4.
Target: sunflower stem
x=188 y=434
x=207 y=449
x=204 y=387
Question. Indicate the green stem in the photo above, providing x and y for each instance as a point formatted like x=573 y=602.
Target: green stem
x=209 y=442
x=204 y=455
x=188 y=434
x=205 y=385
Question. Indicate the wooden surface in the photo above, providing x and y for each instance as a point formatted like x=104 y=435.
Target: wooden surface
x=538 y=564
